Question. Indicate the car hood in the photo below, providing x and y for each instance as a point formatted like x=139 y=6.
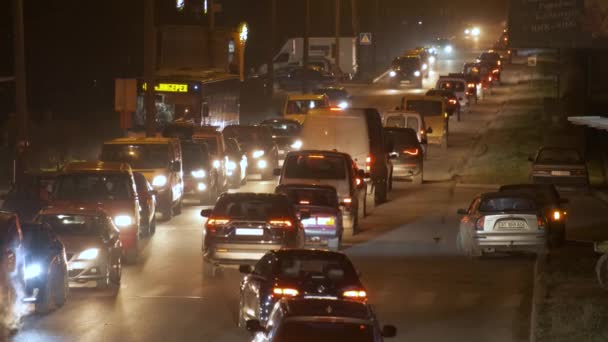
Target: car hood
x=112 y=208
x=75 y=244
x=342 y=187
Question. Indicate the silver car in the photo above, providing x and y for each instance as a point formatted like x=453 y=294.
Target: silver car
x=501 y=222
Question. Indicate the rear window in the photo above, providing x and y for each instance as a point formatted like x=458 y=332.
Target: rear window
x=399 y=121
x=319 y=197
x=425 y=107
x=315 y=167
x=451 y=85
x=332 y=267
x=555 y=155
x=507 y=204
x=324 y=331
x=402 y=138
x=140 y=156
x=262 y=208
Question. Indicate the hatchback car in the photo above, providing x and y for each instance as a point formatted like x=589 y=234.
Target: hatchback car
x=296 y=273
x=563 y=167
x=242 y=227
x=407 y=154
x=93 y=247
x=46 y=272
x=551 y=204
x=262 y=152
x=502 y=221
x=320 y=320
x=319 y=210
x=286 y=135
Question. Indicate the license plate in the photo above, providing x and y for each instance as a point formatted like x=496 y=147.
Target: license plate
x=250 y=231
x=560 y=173
x=515 y=224
x=325 y=221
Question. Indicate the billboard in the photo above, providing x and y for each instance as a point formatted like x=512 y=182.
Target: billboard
x=558 y=23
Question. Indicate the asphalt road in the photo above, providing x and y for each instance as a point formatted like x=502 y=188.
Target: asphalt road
x=416 y=278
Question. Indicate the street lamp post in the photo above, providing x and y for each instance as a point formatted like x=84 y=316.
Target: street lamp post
x=22 y=143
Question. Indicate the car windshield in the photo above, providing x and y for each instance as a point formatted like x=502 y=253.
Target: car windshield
x=210 y=142
x=332 y=267
x=93 y=187
x=306 y=196
x=407 y=63
x=69 y=224
x=324 y=331
x=315 y=167
x=425 y=107
x=499 y=204
x=249 y=135
x=451 y=85
x=252 y=208
x=333 y=94
x=140 y=156
x=283 y=128
x=402 y=138
x=558 y=155
x=194 y=155
x=303 y=106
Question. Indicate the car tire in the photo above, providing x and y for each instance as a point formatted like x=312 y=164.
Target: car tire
x=167 y=212
x=45 y=304
x=152 y=226
x=104 y=283
x=177 y=210
x=63 y=291
x=380 y=194
x=417 y=179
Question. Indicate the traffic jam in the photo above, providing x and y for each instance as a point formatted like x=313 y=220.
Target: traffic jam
x=332 y=165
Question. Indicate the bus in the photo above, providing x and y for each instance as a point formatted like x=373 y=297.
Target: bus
x=185 y=95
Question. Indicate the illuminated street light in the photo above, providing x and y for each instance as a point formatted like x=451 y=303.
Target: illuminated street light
x=243 y=32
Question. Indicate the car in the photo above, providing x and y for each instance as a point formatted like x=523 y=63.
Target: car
x=452 y=103
x=216 y=146
x=407 y=154
x=285 y=133
x=457 y=84
x=297 y=106
x=296 y=273
x=335 y=169
x=406 y=68
x=562 y=166
x=443 y=46
x=46 y=272
x=425 y=56
x=107 y=185
x=256 y=141
x=479 y=80
x=338 y=96
x=236 y=163
x=31 y=194
x=551 y=204
x=11 y=269
x=320 y=320
x=502 y=222
x=201 y=179
x=160 y=160
x=494 y=61
x=409 y=119
x=147 y=202
x=357 y=132
x=294 y=79
x=92 y=244
x=242 y=227
x=434 y=111
x=319 y=210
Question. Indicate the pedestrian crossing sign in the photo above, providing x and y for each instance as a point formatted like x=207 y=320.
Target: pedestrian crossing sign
x=365 y=38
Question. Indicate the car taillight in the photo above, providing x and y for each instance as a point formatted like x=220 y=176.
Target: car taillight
x=452 y=101
x=285 y=291
x=480 y=223
x=557 y=215
x=579 y=172
x=411 y=151
x=355 y=294
x=281 y=223
x=214 y=223
x=490 y=78
x=368 y=163
x=495 y=71
x=471 y=85
x=541 y=223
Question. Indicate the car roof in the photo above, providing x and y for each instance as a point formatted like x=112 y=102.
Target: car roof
x=510 y=194
x=307 y=252
x=321 y=152
x=97 y=166
x=305 y=97
x=307 y=186
x=140 y=141
x=326 y=307
x=403 y=112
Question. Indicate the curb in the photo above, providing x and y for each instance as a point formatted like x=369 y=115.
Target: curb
x=538 y=292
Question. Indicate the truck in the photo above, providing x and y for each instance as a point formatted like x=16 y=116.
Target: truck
x=321 y=52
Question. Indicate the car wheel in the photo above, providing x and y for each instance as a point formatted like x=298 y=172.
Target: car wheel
x=104 y=283
x=601 y=271
x=63 y=290
x=167 y=212
x=45 y=304
x=178 y=208
x=116 y=274
x=380 y=194
x=153 y=226
x=417 y=178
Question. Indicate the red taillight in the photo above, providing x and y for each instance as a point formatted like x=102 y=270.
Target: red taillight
x=541 y=223
x=335 y=109
x=495 y=71
x=452 y=101
x=490 y=78
x=281 y=223
x=283 y=291
x=479 y=224
x=411 y=151
x=213 y=223
x=368 y=163
x=355 y=294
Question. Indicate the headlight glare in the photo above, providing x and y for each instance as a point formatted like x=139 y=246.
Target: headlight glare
x=392 y=73
x=216 y=164
x=159 y=181
x=198 y=174
x=123 y=220
x=230 y=165
x=32 y=271
x=417 y=73
x=89 y=254
x=257 y=153
x=297 y=144
x=343 y=104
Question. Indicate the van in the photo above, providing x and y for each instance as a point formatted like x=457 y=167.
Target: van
x=433 y=110
x=298 y=106
x=159 y=160
x=357 y=132
x=408 y=119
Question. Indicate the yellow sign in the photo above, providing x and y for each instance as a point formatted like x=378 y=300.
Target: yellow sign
x=169 y=87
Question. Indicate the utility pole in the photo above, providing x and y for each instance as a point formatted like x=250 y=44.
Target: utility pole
x=305 y=48
x=22 y=143
x=375 y=39
x=211 y=32
x=150 y=66
x=270 y=63
x=355 y=28
x=338 y=34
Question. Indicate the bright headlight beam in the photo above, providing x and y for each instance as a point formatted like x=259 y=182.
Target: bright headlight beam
x=297 y=145
x=159 y=181
x=89 y=254
x=257 y=153
x=198 y=174
x=123 y=220
x=392 y=73
x=32 y=271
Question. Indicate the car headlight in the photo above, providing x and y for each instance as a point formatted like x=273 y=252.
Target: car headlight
x=417 y=73
x=475 y=31
x=32 y=271
x=198 y=174
x=89 y=254
x=216 y=164
x=297 y=144
x=230 y=165
x=432 y=59
x=448 y=49
x=123 y=220
x=343 y=104
x=159 y=181
x=392 y=73
x=424 y=66
x=262 y=164
x=257 y=153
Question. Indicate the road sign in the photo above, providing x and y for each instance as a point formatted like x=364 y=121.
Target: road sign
x=365 y=38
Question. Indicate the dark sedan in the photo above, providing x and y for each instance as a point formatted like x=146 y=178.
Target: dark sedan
x=46 y=271
x=407 y=154
x=242 y=227
x=201 y=179
x=296 y=273
x=562 y=166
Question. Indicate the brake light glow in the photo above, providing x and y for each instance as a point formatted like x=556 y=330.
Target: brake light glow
x=452 y=101
x=471 y=85
x=357 y=294
x=280 y=291
x=314 y=156
x=557 y=215
x=479 y=224
x=368 y=163
x=411 y=151
x=305 y=202
x=541 y=223
x=421 y=132
x=281 y=223
x=335 y=109
x=495 y=71
x=217 y=221
x=490 y=78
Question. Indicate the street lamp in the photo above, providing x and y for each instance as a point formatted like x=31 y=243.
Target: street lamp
x=243 y=31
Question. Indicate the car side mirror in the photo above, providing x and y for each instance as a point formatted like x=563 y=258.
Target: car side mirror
x=254 y=326
x=389 y=331
x=276 y=172
x=245 y=269
x=429 y=130
x=206 y=212
x=461 y=212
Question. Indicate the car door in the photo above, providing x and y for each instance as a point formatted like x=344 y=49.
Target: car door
x=467 y=223
x=259 y=284
x=146 y=199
